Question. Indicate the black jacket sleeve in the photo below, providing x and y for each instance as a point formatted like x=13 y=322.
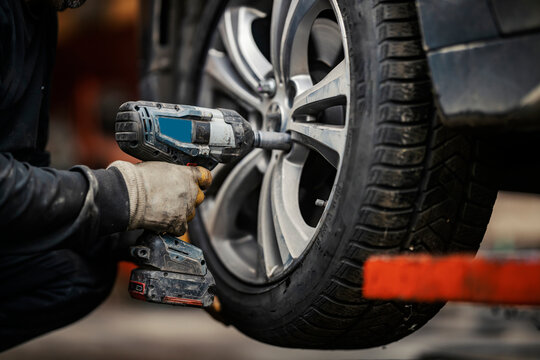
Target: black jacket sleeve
x=44 y=208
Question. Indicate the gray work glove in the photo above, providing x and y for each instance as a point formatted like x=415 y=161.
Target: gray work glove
x=162 y=196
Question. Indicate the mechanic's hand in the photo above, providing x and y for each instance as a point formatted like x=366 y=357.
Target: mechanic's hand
x=162 y=196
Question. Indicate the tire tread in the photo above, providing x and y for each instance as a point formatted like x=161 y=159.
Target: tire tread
x=423 y=194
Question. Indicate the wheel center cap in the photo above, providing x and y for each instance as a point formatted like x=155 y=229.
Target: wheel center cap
x=274 y=116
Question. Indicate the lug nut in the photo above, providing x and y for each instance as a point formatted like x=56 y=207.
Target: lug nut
x=267 y=86
x=320 y=202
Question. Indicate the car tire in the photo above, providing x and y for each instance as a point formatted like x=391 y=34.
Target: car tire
x=407 y=185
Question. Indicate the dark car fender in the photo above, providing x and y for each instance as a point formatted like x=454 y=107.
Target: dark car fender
x=484 y=58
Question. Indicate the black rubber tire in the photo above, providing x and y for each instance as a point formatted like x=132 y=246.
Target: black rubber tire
x=407 y=185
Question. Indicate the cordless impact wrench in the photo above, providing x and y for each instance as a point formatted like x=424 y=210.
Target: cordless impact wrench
x=172 y=271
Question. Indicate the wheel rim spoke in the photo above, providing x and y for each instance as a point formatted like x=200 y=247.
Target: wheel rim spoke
x=221 y=70
x=279 y=14
x=289 y=225
x=266 y=237
x=244 y=178
x=237 y=245
x=243 y=266
x=327 y=140
x=295 y=36
x=330 y=91
x=235 y=30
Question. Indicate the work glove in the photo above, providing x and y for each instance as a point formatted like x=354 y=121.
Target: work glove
x=162 y=196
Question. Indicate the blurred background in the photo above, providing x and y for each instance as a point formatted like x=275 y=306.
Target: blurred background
x=97 y=70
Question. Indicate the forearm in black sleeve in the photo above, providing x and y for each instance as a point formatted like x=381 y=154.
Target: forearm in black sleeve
x=43 y=208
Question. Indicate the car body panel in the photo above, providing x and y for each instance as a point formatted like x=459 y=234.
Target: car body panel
x=484 y=56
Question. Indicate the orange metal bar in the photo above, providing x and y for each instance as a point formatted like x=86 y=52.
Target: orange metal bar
x=458 y=278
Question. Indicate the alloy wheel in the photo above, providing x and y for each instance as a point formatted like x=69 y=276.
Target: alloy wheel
x=284 y=67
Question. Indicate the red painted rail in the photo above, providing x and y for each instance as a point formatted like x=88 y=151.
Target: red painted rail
x=457 y=278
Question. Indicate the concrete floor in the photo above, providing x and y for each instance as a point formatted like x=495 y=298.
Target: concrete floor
x=126 y=329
